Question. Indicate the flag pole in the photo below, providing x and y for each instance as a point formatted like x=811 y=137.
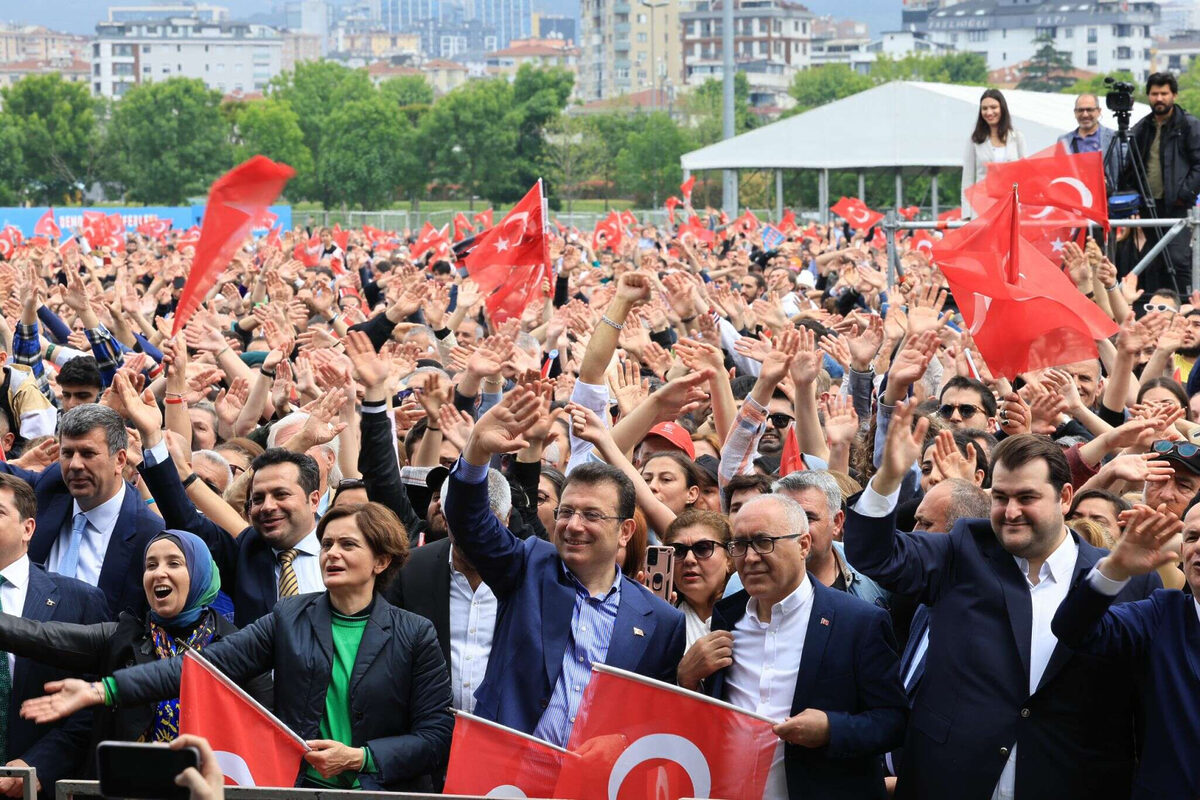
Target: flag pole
x=633 y=676
x=511 y=731
x=1011 y=268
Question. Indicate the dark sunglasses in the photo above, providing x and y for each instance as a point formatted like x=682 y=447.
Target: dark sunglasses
x=965 y=410
x=780 y=420
x=703 y=549
x=1185 y=449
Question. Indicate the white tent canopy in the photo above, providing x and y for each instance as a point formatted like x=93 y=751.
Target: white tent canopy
x=899 y=125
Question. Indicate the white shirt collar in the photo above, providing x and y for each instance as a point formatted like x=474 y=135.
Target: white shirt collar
x=1196 y=600
x=308 y=546
x=799 y=597
x=1059 y=565
x=17 y=573
x=104 y=516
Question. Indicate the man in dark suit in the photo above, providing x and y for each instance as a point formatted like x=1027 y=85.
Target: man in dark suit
x=1003 y=710
x=29 y=591
x=1162 y=634
x=91 y=524
x=563 y=606
x=821 y=661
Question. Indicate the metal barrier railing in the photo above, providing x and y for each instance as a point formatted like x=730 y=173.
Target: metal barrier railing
x=892 y=225
x=68 y=790
x=28 y=776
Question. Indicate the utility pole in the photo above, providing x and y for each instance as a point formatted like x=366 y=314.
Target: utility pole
x=729 y=197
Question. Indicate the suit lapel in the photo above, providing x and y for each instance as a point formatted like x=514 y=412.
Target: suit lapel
x=1191 y=635
x=725 y=616
x=50 y=523
x=821 y=622
x=375 y=637
x=113 y=573
x=632 y=629
x=558 y=607
x=1085 y=559
x=41 y=600
x=320 y=617
x=920 y=624
x=1016 y=595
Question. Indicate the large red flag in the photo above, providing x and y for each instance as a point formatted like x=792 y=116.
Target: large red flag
x=253 y=748
x=46 y=226
x=747 y=223
x=509 y=261
x=607 y=233
x=154 y=228
x=640 y=738
x=1022 y=310
x=490 y=760
x=429 y=239
x=855 y=212
x=1059 y=180
x=235 y=201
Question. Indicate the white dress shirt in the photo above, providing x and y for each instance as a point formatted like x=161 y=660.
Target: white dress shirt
x=307 y=565
x=694 y=628
x=101 y=521
x=12 y=596
x=472 y=623
x=766 y=661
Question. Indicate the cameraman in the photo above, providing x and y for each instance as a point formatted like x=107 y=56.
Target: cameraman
x=1090 y=136
x=1169 y=142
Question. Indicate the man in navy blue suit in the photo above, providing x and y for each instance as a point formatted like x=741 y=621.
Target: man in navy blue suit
x=821 y=661
x=91 y=524
x=1162 y=634
x=1004 y=710
x=28 y=591
x=562 y=606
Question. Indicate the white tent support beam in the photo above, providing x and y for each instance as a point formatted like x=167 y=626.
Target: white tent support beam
x=778 y=194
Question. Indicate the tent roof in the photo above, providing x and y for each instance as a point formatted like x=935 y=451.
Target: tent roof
x=898 y=124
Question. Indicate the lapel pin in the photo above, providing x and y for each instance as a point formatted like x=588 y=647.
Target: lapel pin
x=638 y=632
x=49 y=602
x=824 y=621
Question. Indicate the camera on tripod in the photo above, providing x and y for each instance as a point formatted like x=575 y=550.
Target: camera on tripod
x=1120 y=96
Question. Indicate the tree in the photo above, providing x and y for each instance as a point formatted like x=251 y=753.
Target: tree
x=817 y=86
x=966 y=68
x=611 y=131
x=271 y=128
x=12 y=178
x=407 y=90
x=368 y=145
x=540 y=96
x=55 y=131
x=168 y=141
x=571 y=156
x=1049 y=70
x=705 y=107
x=315 y=90
x=963 y=68
x=470 y=136
x=648 y=166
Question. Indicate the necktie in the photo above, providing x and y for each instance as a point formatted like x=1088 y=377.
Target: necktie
x=5 y=697
x=69 y=564
x=288 y=585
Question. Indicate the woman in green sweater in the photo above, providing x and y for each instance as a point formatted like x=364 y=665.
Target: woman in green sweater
x=362 y=681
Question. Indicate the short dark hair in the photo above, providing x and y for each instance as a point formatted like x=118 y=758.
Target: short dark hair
x=81 y=371
x=1117 y=502
x=381 y=529
x=441 y=268
x=692 y=517
x=23 y=497
x=1163 y=382
x=1162 y=79
x=691 y=473
x=986 y=399
x=82 y=420
x=749 y=480
x=1170 y=294
x=597 y=474
x=310 y=475
x=1017 y=451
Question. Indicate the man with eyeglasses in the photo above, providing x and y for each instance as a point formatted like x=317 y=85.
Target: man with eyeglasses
x=1090 y=136
x=562 y=606
x=1178 y=490
x=821 y=662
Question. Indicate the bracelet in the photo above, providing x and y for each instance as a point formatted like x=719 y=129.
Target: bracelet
x=190 y=479
x=221 y=352
x=173 y=394
x=1112 y=288
x=50 y=351
x=174 y=401
x=150 y=501
x=608 y=321
x=269 y=373
x=686 y=320
x=98 y=687
x=435 y=430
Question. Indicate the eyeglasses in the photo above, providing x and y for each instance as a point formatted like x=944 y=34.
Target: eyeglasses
x=564 y=514
x=1164 y=307
x=703 y=549
x=781 y=420
x=1185 y=449
x=965 y=410
x=763 y=545
x=1088 y=110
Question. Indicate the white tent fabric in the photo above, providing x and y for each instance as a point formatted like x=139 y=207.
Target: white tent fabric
x=904 y=124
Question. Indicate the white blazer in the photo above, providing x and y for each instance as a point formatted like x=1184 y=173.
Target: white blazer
x=978 y=156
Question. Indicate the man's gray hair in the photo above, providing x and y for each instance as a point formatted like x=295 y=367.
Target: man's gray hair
x=967 y=501
x=298 y=418
x=208 y=408
x=499 y=494
x=819 y=479
x=215 y=458
x=793 y=513
x=82 y=420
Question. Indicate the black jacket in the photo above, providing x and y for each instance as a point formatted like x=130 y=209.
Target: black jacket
x=399 y=692
x=1179 y=149
x=423 y=587
x=101 y=649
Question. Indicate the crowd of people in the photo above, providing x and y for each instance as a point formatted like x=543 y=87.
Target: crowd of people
x=369 y=503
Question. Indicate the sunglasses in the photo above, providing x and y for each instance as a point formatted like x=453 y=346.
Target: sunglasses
x=703 y=549
x=781 y=420
x=1166 y=308
x=1184 y=449
x=965 y=410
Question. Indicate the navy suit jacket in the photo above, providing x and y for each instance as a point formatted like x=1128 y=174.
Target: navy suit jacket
x=1162 y=634
x=916 y=631
x=56 y=751
x=849 y=670
x=974 y=701
x=533 y=622
x=121 y=573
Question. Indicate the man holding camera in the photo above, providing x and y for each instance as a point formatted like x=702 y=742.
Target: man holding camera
x=1168 y=141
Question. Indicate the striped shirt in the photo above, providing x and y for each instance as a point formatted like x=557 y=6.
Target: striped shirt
x=591 y=632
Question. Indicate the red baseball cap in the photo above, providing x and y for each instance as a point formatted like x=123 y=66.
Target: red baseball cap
x=676 y=435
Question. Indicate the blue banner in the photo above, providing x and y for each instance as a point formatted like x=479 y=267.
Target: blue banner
x=70 y=219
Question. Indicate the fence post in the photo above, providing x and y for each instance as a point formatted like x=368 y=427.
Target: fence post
x=1194 y=230
x=890 y=229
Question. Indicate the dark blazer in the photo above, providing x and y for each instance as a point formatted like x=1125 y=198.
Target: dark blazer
x=849 y=670
x=1162 y=634
x=974 y=700
x=247 y=563
x=121 y=573
x=423 y=587
x=533 y=622
x=56 y=751
x=381 y=471
x=399 y=690
x=101 y=649
x=920 y=624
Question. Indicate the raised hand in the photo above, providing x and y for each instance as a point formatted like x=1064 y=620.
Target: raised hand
x=369 y=369
x=456 y=425
x=229 y=402
x=628 y=386
x=1014 y=414
x=903 y=447
x=841 y=420
x=681 y=396
x=807 y=363
x=949 y=460
x=925 y=305
x=1149 y=542
x=501 y=429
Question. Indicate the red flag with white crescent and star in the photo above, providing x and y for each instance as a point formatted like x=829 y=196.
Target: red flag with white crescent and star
x=855 y=212
x=1059 y=180
x=510 y=261
x=489 y=760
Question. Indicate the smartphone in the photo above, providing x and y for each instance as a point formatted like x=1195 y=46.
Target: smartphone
x=143 y=770
x=660 y=569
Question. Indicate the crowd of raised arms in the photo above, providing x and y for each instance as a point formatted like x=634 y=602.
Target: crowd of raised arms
x=367 y=503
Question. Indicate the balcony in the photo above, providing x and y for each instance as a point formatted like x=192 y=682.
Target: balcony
x=621 y=8
x=621 y=30
x=621 y=45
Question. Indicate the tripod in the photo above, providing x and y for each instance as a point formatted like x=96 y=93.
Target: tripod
x=1122 y=148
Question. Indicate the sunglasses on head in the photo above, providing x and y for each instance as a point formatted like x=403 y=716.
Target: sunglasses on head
x=1184 y=449
x=965 y=410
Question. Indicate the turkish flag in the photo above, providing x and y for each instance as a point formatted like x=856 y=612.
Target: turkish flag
x=747 y=223
x=7 y=245
x=922 y=242
x=1060 y=180
x=374 y=235
x=253 y=748
x=235 y=201
x=266 y=220
x=908 y=212
x=791 y=459
x=429 y=239
x=952 y=214
x=462 y=226
x=154 y=228
x=490 y=760
x=607 y=233
x=272 y=237
x=1022 y=310
x=697 y=233
x=484 y=218
x=671 y=203
x=879 y=241
x=341 y=238
x=510 y=261
x=641 y=738
x=309 y=253
x=685 y=189
x=46 y=226
x=855 y=212
x=788 y=223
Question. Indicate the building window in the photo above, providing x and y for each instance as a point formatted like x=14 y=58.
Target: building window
x=96 y=54
x=122 y=49
x=96 y=86
x=641 y=18
x=145 y=48
x=1124 y=53
x=1045 y=32
x=96 y=68
x=1068 y=33
x=1092 y=61
x=641 y=37
x=1122 y=31
x=977 y=36
x=1091 y=36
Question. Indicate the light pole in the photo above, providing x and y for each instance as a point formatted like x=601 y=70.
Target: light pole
x=653 y=50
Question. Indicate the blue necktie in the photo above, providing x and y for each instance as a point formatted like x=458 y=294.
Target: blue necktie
x=69 y=564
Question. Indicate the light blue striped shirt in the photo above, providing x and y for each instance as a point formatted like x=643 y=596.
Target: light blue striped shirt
x=591 y=632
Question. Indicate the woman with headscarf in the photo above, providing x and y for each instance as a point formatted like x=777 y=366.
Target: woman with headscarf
x=181 y=581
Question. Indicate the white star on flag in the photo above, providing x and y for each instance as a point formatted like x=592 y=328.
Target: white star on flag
x=1058 y=244
x=501 y=245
